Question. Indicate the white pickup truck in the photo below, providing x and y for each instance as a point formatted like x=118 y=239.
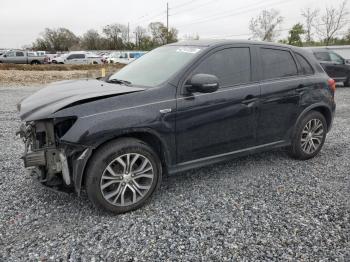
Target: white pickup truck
x=21 y=57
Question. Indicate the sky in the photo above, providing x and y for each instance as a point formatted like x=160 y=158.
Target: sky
x=22 y=21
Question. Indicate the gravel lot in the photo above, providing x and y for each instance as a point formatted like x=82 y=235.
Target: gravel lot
x=261 y=207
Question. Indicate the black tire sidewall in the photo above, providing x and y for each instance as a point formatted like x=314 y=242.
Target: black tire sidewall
x=103 y=157
x=297 y=151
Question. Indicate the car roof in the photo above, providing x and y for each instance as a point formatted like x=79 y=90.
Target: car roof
x=218 y=42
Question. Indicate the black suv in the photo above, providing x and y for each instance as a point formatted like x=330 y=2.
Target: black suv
x=178 y=107
x=335 y=66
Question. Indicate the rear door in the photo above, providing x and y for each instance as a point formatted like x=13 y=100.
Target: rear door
x=280 y=84
x=20 y=58
x=222 y=121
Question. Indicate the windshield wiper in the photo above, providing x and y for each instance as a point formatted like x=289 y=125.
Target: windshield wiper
x=119 y=81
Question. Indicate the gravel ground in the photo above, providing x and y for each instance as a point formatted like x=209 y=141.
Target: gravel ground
x=261 y=207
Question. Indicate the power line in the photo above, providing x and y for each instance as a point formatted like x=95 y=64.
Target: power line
x=217 y=16
x=197 y=7
x=277 y=30
x=183 y=4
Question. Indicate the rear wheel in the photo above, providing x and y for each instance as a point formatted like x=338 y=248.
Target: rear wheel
x=35 y=62
x=347 y=82
x=123 y=175
x=309 y=137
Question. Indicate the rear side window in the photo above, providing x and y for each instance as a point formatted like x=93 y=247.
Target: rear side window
x=322 y=56
x=306 y=68
x=277 y=63
x=79 y=56
x=231 y=66
x=19 y=54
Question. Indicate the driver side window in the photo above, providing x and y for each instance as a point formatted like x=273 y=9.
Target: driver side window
x=231 y=66
x=10 y=54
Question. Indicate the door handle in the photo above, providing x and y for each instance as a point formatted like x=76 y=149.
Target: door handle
x=249 y=99
x=301 y=88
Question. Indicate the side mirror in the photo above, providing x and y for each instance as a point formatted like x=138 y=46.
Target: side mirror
x=347 y=61
x=202 y=83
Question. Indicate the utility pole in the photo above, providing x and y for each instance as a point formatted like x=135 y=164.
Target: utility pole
x=128 y=32
x=167 y=22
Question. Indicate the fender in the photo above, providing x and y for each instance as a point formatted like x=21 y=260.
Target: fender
x=311 y=107
x=81 y=162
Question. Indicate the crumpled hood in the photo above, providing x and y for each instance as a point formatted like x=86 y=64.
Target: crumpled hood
x=58 y=95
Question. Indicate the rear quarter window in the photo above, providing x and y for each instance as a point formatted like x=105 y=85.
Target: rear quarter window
x=277 y=63
x=306 y=68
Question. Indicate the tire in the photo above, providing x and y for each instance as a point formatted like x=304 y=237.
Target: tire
x=347 y=82
x=35 y=63
x=312 y=127
x=113 y=189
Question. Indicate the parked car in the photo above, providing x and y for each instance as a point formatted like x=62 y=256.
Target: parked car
x=59 y=59
x=335 y=65
x=343 y=51
x=125 y=57
x=50 y=58
x=22 y=57
x=81 y=58
x=179 y=107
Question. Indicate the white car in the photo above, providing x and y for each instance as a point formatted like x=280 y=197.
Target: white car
x=59 y=59
x=125 y=57
x=82 y=58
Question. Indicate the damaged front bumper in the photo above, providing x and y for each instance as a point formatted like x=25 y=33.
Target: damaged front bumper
x=54 y=163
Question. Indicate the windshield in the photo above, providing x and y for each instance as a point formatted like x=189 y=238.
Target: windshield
x=157 y=66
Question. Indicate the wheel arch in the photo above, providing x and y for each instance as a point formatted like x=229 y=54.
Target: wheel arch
x=324 y=109
x=147 y=136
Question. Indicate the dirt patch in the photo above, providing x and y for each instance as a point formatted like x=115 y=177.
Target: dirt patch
x=25 y=78
x=59 y=67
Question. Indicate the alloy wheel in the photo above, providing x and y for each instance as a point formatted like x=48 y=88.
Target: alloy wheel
x=312 y=136
x=127 y=179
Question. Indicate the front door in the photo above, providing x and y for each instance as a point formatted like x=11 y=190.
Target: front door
x=222 y=121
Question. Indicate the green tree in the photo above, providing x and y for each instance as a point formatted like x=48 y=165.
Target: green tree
x=295 y=35
x=60 y=39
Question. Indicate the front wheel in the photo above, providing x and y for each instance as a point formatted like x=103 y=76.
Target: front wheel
x=310 y=134
x=123 y=175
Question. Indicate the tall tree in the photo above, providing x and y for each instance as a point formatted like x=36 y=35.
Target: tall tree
x=310 y=16
x=264 y=27
x=331 y=22
x=91 y=40
x=295 y=35
x=140 y=34
x=158 y=32
x=116 y=35
x=60 y=39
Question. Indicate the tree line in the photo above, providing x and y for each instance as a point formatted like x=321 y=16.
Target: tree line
x=318 y=28
x=113 y=37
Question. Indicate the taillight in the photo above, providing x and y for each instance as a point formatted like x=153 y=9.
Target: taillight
x=331 y=84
